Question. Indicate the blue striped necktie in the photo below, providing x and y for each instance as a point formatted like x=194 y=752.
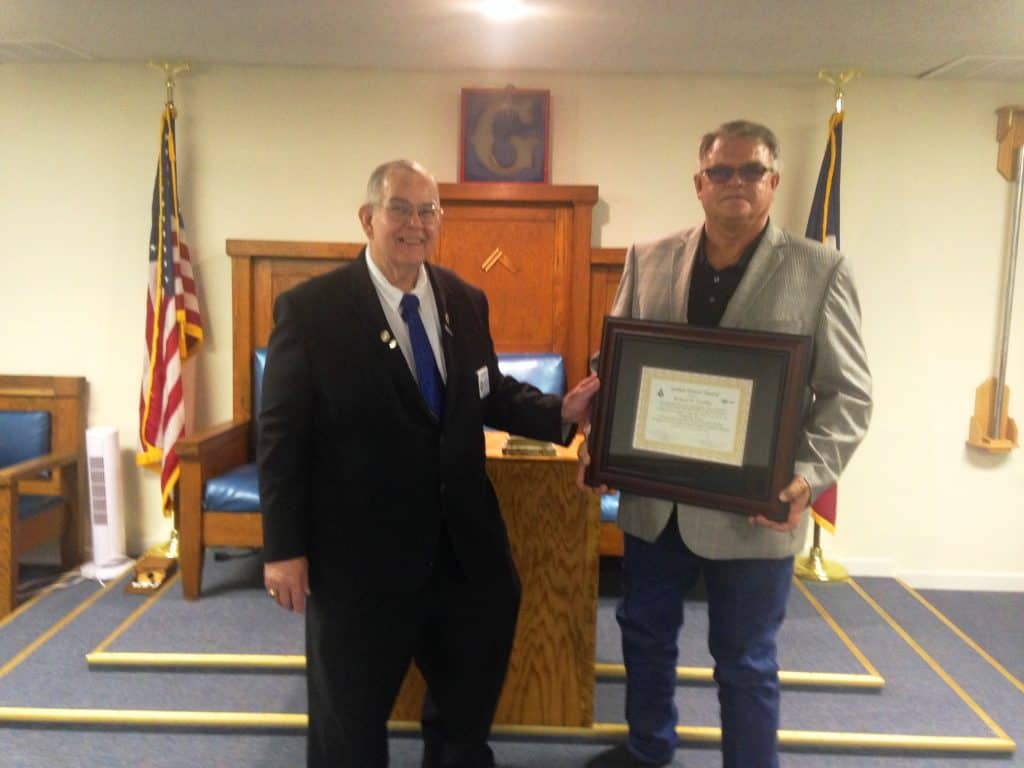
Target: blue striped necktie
x=426 y=367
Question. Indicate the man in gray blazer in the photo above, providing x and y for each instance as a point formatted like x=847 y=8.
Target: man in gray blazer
x=736 y=270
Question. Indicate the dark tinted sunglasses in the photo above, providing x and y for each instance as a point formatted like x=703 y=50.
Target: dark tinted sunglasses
x=722 y=174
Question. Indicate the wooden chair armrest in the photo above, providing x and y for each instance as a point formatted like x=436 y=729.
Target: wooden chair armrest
x=218 y=448
x=32 y=468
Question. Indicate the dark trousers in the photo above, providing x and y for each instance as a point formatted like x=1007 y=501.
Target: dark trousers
x=459 y=631
x=746 y=606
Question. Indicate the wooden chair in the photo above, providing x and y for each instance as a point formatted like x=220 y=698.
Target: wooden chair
x=260 y=270
x=219 y=498
x=42 y=440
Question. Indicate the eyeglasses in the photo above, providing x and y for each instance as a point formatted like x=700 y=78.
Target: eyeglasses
x=722 y=174
x=402 y=211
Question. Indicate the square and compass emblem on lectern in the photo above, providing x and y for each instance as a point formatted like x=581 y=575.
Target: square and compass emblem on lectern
x=504 y=135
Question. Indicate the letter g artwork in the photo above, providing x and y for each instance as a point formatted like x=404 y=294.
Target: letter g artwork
x=504 y=135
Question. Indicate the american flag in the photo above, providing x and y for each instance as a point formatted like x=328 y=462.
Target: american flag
x=174 y=328
x=823 y=226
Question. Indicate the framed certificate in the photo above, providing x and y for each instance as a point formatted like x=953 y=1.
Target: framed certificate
x=706 y=416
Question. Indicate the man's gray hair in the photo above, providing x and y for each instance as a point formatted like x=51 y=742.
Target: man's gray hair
x=375 y=186
x=740 y=129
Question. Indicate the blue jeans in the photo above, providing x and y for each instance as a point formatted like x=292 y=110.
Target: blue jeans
x=746 y=606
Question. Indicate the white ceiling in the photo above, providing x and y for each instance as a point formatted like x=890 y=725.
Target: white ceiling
x=958 y=38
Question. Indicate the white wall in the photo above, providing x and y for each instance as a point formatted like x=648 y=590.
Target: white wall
x=284 y=154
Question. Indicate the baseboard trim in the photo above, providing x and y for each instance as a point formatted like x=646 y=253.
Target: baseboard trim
x=974 y=581
x=870 y=566
x=964 y=580
x=958 y=579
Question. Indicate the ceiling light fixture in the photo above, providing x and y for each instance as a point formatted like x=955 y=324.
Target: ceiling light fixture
x=503 y=10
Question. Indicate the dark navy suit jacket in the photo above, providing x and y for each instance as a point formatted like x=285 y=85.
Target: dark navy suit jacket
x=355 y=472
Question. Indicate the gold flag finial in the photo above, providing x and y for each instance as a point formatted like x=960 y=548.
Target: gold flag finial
x=170 y=72
x=838 y=80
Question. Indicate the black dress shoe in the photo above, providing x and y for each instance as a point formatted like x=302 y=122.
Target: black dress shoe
x=620 y=757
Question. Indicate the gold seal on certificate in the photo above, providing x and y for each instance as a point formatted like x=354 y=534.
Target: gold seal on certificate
x=706 y=416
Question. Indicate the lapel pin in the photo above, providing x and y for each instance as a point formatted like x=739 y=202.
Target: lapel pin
x=392 y=344
x=385 y=336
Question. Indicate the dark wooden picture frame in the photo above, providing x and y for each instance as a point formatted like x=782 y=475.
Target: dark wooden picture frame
x=767 y=371
x=504 y=135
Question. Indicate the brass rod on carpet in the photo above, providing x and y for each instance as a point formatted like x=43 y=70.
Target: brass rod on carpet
x=896 y=741
x=598 y=731
x=786 y=677
x=283 y=662
x=265 y=661
x=697 y=734
x=170 y=718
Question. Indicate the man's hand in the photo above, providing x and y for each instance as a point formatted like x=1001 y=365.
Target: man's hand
x=798 y=494
x=287 y=583
x=583 y=454
x=576 y=403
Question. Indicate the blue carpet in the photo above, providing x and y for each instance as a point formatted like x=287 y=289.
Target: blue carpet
x=234 y=616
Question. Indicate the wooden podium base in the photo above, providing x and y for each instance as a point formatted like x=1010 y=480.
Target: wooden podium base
x=552 y=527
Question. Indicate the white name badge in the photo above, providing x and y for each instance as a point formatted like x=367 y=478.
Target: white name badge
x=483 y=381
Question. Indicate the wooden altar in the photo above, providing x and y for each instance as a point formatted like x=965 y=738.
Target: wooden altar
x=553 y=530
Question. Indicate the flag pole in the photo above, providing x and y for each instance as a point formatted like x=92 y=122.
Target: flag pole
x=170 y=71
x=159 y=561
x=814 y=567
x=991 y=428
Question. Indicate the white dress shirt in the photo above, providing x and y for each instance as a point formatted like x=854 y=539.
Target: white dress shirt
x=390 y=299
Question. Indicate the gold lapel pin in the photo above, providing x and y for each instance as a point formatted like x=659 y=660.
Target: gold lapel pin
x=385 y=336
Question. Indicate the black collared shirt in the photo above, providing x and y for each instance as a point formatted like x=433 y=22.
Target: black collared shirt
x=710 y=288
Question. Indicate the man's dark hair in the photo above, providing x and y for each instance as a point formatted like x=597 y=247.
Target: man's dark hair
x=740 y=129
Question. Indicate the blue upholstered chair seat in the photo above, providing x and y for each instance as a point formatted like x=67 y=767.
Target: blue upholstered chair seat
x=234 y=491
x=544 y=370
x=31 y=505
x=238 y=490
x=610 y=507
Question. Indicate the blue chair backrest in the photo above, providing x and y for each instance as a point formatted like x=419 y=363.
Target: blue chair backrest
x=544 y=370
x=259 y=364
x=23 y=435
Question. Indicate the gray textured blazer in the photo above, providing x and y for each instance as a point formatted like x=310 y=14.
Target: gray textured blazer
x=792 y=285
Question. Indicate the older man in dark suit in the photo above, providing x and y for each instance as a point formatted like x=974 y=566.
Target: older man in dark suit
x=379 y=520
